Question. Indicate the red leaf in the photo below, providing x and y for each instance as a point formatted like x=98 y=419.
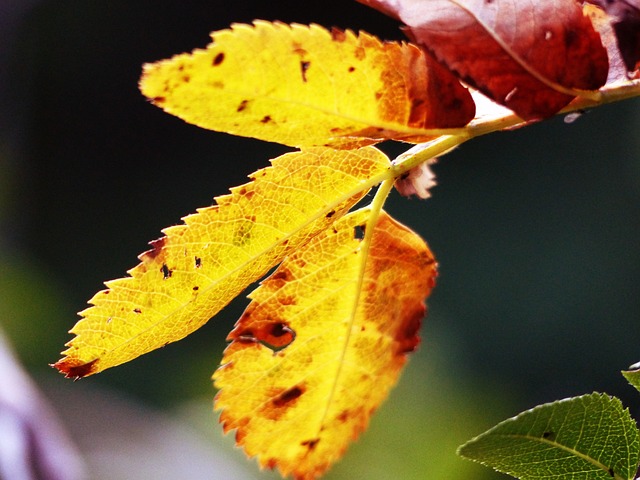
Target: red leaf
x=532 y=56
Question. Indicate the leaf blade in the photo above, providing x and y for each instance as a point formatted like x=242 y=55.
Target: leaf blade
x=198 y=267
x=587 y=437
x=315 y=391
x=306 y=86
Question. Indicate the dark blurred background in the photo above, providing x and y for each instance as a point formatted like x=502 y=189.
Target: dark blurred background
x=536 y=232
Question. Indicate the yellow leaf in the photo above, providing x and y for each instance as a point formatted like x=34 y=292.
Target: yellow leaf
x=305 y=86
x=323 y=342
x=198 y=267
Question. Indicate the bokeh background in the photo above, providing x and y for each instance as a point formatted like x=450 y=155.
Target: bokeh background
x=536 y=232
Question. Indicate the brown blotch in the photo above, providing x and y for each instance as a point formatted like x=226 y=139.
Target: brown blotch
x=310 y=444
x=166 y=272
x=338 y=35
x=218 y=59
x=304 y=66
x=288 y=397
x=156 y=249
x=407 y=335
x=76 y=369
x=281 y=276
x=344 y=416
x=242 y=106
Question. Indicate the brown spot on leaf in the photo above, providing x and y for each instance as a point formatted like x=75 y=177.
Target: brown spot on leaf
x=266 y=119
x=344 y=416
x=218 y=59
x=407 y=335
x=330 y=214
x=338 y=35
x=281 y=400
x=281 y=276
x=137 y=310
x=156 y=249
x=158 y=100
x=304 y=66
x=76 y=369
x=242 y=106
x=198 y=262
x=288 y=397
x=196 y=288
x=310 y=444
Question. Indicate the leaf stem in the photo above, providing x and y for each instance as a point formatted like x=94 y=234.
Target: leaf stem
x=503 y=120
x=424 y=152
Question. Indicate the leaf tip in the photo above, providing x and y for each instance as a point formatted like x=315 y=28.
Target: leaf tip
x=76 y=369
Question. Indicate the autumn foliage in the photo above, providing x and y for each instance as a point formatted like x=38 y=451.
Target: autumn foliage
x=327 y=333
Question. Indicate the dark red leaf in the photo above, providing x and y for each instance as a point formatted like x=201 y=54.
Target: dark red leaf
x=532 y=56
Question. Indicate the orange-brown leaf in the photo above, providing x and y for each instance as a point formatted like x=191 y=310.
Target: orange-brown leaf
x=305 y=86
x=533 y=56
x=323 y=342
x=197 y=268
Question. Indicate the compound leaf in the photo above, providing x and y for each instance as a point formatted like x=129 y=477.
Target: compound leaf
x=590 y=437
x=323 y=342
x=198 y=267
x=305 y=86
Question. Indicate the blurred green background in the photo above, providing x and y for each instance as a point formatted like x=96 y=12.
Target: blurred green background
x=536 y=232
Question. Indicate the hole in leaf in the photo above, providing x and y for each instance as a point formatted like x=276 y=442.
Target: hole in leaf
x=166 y=273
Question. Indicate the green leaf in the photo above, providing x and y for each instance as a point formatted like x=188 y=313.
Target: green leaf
x=633 y=375
x=582 y=438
